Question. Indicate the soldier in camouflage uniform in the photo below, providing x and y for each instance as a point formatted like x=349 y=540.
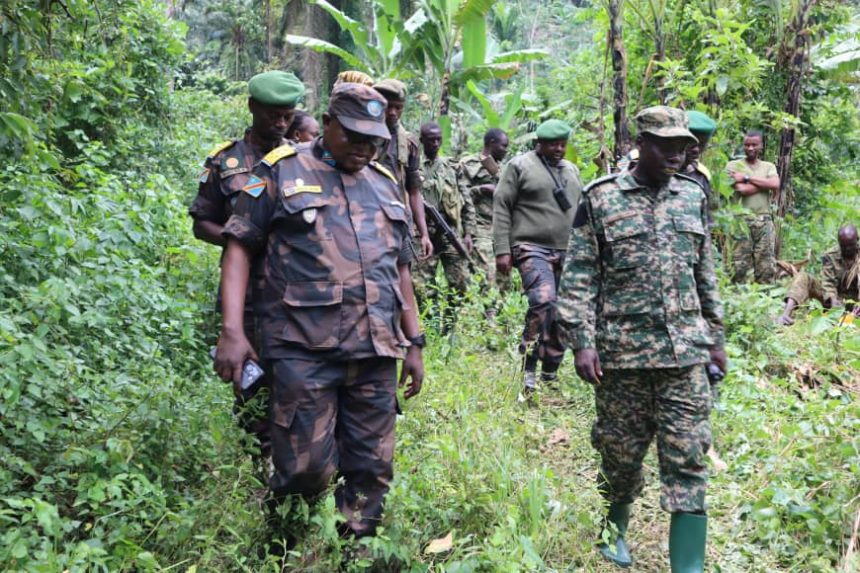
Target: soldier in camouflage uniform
x=478 y=175
x=839 y=279
x=400 y=157
x=703 y=128
x=639 y=306
x=753 y=181
x=272 y=101
x=533 y=207
x=440 y=189
x=336 y=306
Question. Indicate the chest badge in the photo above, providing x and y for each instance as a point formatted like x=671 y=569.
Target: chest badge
x=231 y=163
x=309 y=215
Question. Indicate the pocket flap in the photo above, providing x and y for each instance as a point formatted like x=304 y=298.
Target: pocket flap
x=396 y=211
x=623 y=225
x=301 y=201
x=313 y=293
x=688 y=225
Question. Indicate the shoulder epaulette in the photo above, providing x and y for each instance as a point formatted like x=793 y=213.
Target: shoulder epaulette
x=600 y=181
x=691 y=179
x=700 y=167
x=277 y=154
x=383 y=170
x=221 y=147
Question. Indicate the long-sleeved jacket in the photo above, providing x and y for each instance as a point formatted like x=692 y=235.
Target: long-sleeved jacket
x=839 y=278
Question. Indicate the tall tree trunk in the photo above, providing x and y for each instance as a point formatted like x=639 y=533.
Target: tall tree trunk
x=619 y=77
x=793 y=59
x=268 y=30
x=660 y=56
x=303 y=19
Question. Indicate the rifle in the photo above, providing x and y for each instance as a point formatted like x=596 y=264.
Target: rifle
x=450 y=233
x=490 y=165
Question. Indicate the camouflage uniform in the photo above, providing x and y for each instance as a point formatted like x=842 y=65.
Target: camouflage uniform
x=530 y=225
x=702 y=175
x=401 y=157
x=639 y=287
x=439 y=187
x=472 y=172
x=839 y=279
x=329 y=307
x=755 y=245
x=226 y=170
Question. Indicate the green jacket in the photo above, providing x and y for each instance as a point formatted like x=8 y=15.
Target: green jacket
x=639 y=282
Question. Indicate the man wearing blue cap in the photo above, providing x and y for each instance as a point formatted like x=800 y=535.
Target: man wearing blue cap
x=272 y=100
x=533 y=208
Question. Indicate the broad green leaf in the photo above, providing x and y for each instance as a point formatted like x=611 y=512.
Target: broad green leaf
x=513 y=104
x=485 y=72
x=388 y=12
x=471 y=10
x=355 y=28
x=325 y=47
x=474 y=41
x=490 y=114
x=520 y=56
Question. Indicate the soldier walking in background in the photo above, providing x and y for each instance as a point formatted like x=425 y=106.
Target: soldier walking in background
x=400 y=156
x=753 y=181
x=336 y=306
x=272 y=101
x=639 y=306
x=840 y=268
x=478 y=175
x=533 y=208
x=304 y=128
x=441 y=192
x=703 y=128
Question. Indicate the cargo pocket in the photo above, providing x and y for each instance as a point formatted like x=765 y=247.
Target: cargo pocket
x=690 y=232
x=397 y=313
x=313 y=314
x=283 y=413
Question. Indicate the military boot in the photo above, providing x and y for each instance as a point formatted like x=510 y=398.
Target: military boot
x=687 y=535
x=618 y=553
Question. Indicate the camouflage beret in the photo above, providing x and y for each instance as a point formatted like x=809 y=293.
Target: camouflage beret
x=276 y=88
x=553 y=129
x=359 y=108
x=664 y=121
x=391 y=89
x=701 y=123
x=354 y=77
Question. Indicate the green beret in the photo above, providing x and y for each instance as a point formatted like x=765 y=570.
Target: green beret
x=276 y=88
x=391 y=89
x=553 y=129
x=701 y=123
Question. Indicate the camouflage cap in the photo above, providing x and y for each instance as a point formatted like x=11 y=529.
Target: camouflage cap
x=664 y=121
x=359 y=108
x=354 y=77
x=276 y=88
x=701 y=123
x=391 y=89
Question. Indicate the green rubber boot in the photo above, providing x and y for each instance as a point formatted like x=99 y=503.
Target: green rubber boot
x=619 y=514
x=687 y=535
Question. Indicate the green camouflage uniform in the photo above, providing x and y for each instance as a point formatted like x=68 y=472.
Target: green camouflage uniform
x=529 y=225
x=329 y=307
x=639 y=287
x=440 y=189
x=839 y=279
x=755 y=244
x=472 y=172
x=226 y=170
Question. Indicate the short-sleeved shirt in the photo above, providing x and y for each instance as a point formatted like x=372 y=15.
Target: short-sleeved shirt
x=758 y=203
x=331 y=244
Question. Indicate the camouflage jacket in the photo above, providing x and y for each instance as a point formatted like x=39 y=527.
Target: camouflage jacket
x=440 y=189
x=639 y=283
x=839 y=278
x=332 y=244
x=472 y=172
x=401 y=157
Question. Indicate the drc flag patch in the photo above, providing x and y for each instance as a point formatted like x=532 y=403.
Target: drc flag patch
x=254 y=187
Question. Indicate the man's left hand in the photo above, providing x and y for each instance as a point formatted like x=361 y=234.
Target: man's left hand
x=718 y=357
x=426 y=247
x=413 y=370
x=467 y=242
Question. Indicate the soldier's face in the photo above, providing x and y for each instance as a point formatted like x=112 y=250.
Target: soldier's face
x=270 y=122
x=431 y=140
x=552 y=149
x=695 y=151
x=393 y=112
x=352 y=151
x=661 y=157
x=308 y=131
x=499 y=149
x=753 y=146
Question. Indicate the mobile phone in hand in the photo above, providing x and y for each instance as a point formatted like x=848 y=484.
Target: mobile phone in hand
x=251 y=371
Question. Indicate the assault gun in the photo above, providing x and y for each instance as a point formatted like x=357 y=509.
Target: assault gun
x=490 y=165
x=439 y=219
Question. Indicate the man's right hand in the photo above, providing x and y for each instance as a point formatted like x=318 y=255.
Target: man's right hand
x=233 y=351
x=587 y=365
x=504 y=263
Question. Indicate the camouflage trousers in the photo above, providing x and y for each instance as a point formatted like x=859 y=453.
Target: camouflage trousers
x=332 y=416
x=755 y=250
x=252 y=405
x=804 y=287
x=540 y=269
x=456 y=270
x=486 y=259
x=635 y=405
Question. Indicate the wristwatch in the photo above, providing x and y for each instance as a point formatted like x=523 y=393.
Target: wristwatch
x=420 y=341
x=746 y=178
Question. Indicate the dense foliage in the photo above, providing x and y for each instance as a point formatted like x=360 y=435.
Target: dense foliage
x=119 y=451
